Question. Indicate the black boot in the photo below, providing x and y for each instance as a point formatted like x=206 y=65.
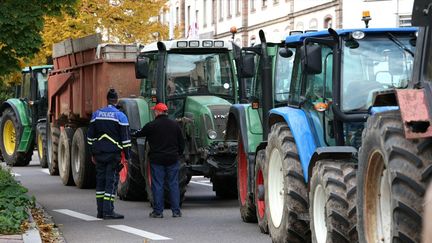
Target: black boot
x=113 y=215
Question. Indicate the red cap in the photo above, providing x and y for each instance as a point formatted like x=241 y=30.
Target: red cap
x=160 y=107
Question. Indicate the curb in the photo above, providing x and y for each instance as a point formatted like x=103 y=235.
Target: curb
x=32 y=235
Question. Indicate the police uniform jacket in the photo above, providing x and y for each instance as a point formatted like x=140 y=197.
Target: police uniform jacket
x=109 y=132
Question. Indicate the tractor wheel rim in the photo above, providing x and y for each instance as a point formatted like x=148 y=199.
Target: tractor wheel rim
x=40 y=146
x=9 y=137
x=260 y=201
x=124 y=173
x=77 y=158
x=276 y=188
x=242 y=174
x=62 y=156
x=319 y=216
x=385 y=208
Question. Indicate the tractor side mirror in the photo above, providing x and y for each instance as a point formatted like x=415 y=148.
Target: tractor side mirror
x=311 y=59
x=421 y=13
x=285 y=52
x=141 y=67
x=247 y=66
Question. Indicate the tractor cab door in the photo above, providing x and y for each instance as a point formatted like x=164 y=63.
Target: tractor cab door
x=312 y=92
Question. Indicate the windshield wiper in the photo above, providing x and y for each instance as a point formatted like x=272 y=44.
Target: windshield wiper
x=400 y=44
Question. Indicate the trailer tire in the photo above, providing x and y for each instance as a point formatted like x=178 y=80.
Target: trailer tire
x=131 y=182
x=64 y=156
x=287 y=215
x=11 y=131
x=53 y=136
x=246 y=200
x=393 y=176
x=332 y=202
x=83 y=170
x=259 y=185
x=41 y=143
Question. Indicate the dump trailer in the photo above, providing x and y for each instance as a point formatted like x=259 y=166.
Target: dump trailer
x=311 y=149
x=197 y=81
x=84 y=71
x=269 y=65
x=23 y=119
x=395 y=156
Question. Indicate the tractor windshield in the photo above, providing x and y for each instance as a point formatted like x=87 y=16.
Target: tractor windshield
x=373 y=64
x=42 y=78
x=199 y=74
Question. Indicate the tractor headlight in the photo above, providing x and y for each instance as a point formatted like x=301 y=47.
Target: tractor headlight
x=212 y=134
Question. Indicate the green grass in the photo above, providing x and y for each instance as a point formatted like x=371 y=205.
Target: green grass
x=14 y=203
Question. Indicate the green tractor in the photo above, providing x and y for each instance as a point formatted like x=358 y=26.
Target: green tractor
x=270 y=66
x=23 y=119
x=197 y=81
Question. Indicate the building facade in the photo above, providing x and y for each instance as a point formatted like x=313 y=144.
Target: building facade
x=214 y=18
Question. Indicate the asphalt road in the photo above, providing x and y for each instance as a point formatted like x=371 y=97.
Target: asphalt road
x=206 y=218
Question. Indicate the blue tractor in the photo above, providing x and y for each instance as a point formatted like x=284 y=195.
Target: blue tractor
x=311 y=149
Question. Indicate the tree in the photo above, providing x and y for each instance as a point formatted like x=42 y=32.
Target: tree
x=119 y=21
x=21 y=23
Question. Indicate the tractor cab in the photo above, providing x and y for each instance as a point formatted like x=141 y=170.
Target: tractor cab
x=337 y=75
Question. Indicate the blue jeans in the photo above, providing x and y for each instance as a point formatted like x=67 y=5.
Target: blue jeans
x=162 y=174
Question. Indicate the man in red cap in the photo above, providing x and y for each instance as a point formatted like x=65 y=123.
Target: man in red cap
x=166 y=145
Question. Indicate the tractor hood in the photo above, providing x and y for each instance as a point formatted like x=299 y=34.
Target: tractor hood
x=210 y=115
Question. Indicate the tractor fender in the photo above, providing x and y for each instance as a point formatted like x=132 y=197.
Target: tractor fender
x=238 y=123
x=303 y=134
x=342 y=153
x=19 y=107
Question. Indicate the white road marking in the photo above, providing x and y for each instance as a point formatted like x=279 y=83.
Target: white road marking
x=201 y=183
x=76 y=214
x=135 y=231
x=15 y=174
x=46 y=171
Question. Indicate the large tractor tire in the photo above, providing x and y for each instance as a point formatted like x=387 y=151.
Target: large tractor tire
x=259 y=185
x=41 y=143
x=392 y=179
x=286 y=194
x=53 y=136
x=332 y=202
x=83 y=170
x=246 y=200
x=11 y=131
x=183 y=178
x=64 y=156
x=131 y=182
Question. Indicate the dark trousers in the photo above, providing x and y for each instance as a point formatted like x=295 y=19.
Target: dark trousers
x=106 y=182
x=168 y=174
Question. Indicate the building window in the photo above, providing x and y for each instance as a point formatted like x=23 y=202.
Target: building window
x=328 y=22
x=228 y=2
x=220 y=10
x=237 y=7
x=204 y=13
x=275 y=2
x=264 y=3
x=313 y=24
x=252 y=5
x=196 y=18
x=299 y=26
x=404 y=20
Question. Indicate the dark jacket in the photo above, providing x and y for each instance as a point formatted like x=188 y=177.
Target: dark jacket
x=109 y=132
x=165 y=139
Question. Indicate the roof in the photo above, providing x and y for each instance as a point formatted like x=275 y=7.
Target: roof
x=172 y=45
x=27 y=69
x=293 y=39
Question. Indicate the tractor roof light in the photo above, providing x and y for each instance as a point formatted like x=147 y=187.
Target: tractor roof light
x=193 y=43
x=207 y=43
x=181 y=44
x=366 y=18
x=219 y=44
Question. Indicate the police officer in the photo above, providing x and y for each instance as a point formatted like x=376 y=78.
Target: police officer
x=108 y=135
x=166 y=145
